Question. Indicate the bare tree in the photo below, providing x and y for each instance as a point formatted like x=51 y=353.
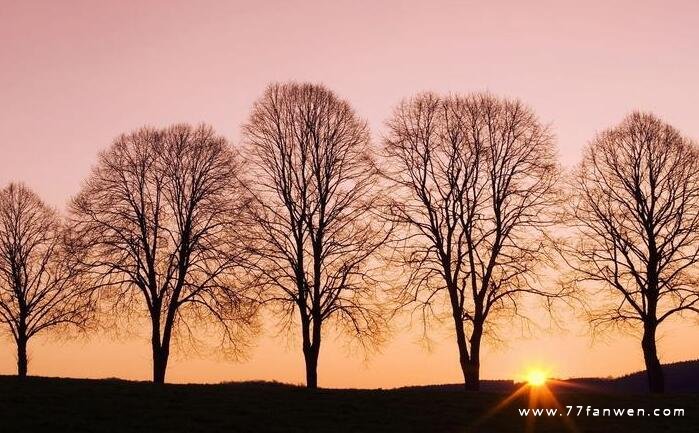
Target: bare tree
x=313 y=178
x=474 y=180
x=637 y=216
x=159 y=217
x=39 y=287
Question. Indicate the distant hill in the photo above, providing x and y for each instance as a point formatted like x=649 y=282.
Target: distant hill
x=680 y=377
x=486 y=385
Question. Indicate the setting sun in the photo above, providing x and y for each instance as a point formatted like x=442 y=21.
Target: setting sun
x=536 y=377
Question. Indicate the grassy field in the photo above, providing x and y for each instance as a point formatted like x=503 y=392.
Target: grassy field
x=68 y=405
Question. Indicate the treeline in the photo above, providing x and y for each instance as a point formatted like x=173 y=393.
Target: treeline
x=459 y=212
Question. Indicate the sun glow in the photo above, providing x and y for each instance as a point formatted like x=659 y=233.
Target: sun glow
x=536 y=377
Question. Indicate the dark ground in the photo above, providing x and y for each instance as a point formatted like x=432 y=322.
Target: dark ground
x=70 y=405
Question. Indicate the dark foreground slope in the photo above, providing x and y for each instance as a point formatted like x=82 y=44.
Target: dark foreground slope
x=68 y=405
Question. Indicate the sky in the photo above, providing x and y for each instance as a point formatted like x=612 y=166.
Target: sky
x=75 y=74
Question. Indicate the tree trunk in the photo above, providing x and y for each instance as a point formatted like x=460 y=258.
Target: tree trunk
x=473 y=367
x=654 y=371
x=472 y=376
x=311 y=350
x=160 y=357
x=311 y=358
x=464 y=359
x=160 y=352
x=22 y=356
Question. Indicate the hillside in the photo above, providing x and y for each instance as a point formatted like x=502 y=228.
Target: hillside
x=75 y=405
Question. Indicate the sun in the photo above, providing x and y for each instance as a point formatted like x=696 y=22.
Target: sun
x=536 y=377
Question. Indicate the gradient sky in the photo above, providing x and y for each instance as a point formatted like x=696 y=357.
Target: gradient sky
x=75 y=74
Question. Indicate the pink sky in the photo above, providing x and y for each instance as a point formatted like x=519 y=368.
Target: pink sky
x=74 y=74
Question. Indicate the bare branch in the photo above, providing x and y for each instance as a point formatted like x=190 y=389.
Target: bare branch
x=40 y=275
x=474 y=181
x=312 y=221
x=159 y=218
x=636 y=214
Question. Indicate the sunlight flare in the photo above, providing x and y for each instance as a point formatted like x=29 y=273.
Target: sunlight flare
x=536 y=377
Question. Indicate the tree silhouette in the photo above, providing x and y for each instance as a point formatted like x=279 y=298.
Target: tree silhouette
x=637 y=215
x=474 y=181
x=159 y=217
x=39 y=286
x=313 y=178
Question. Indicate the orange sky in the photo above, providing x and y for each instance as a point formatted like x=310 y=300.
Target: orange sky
x=74 y=74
